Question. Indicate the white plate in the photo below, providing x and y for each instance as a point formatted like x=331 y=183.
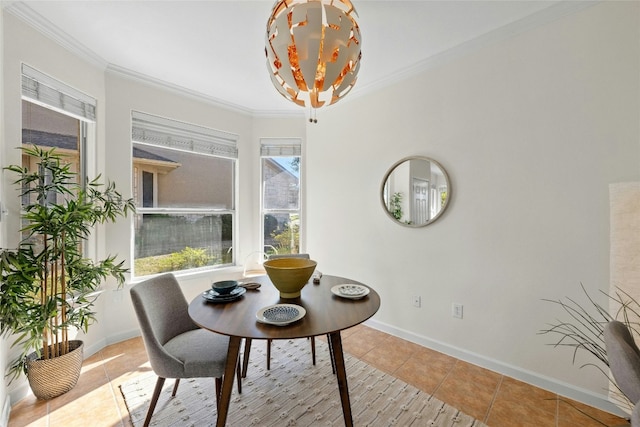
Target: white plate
x=350 y=290
x=280 y=314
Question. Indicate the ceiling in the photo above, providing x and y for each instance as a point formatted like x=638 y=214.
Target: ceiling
x=215 y=49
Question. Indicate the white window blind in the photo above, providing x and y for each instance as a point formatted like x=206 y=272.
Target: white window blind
x=173 y=134
x=272 y=147
x=43 y=89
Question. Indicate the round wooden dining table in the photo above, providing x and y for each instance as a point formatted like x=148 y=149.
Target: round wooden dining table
x=326 y=314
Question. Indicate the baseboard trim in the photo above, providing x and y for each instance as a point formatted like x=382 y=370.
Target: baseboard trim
x=90 y=350
x=123 y=336
x=587 y=397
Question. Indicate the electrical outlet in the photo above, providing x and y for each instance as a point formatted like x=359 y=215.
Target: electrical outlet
x=416 y=301
x=456 y=310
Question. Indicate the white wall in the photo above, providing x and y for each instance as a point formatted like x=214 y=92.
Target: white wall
x=4 y=344
x=532 y=130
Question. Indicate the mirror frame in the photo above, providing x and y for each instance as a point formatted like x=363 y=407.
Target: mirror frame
x=390 y=171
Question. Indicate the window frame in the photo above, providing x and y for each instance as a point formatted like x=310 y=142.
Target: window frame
x=173 y=135
x=45 y=91
x=281 y=147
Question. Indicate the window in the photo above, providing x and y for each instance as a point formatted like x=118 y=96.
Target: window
x=280 y=198
x=184 y=180
x=47 y=129
x=55 y=115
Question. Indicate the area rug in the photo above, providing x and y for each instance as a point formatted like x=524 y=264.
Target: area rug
x=294 y=393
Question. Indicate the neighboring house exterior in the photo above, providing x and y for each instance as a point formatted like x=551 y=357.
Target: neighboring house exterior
x=48 y=129
x=283 y=191
x=147 y=168
x=281 y=196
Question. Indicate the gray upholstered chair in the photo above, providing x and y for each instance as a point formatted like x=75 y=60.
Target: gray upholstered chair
x=247 y=342
x=177 y=347
x=624 y=361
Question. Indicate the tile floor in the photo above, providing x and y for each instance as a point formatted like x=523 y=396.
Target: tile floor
x=493 y=398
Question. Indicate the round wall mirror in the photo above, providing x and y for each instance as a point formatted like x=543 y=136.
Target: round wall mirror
x=415 y=191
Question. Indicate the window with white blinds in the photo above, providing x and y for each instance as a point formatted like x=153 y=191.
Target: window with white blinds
x=280 y=147
x=184 y=181
x=173 y=134
x=42 y=89
x=57 y=116
x=281 y=194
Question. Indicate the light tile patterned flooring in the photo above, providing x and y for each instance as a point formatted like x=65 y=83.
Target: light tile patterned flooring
x=497 y=400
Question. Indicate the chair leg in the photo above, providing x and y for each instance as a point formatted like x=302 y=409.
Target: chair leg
x=269 y=354
x=245 y=356
x=154 y=400
x=175 y=387
x=218 y=389
x=239 y=376
x=313 y=350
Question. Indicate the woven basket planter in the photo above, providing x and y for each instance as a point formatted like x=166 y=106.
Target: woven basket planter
x=52 y=377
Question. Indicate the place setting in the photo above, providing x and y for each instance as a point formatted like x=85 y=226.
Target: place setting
x=350 y=291
x=281 y=314
x=228 y=290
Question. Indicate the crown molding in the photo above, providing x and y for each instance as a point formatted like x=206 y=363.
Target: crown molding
x=552 y=13
x=197 y=96
x=161 y=84
x=22 y=11
x=25 y=13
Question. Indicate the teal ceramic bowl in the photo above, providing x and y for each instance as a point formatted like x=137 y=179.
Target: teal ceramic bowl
x=224 y=287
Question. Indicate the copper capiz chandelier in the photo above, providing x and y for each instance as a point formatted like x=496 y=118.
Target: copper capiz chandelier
x=313 y=50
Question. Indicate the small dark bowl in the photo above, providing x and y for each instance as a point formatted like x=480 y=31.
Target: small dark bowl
x=224 y=287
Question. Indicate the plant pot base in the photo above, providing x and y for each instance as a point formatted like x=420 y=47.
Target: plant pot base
x=52 y=377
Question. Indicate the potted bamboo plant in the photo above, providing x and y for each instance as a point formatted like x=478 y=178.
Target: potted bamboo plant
x=48 y=287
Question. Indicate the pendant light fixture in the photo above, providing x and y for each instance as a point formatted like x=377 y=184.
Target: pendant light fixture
x=313 y=50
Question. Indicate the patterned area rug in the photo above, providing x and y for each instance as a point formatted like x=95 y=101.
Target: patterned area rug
x=294 y=393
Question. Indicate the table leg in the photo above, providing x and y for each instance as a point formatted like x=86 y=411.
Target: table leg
x=228 y=379
x=341 y=373
x=333 y=362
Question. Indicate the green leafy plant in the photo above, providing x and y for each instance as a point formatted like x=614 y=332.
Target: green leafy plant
x=583 y=329
x=287 y=241
x=396 y=205
x=47 y=284
x=186 y=258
